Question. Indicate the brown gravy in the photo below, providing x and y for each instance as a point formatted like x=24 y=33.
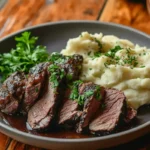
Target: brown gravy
x=19 y=122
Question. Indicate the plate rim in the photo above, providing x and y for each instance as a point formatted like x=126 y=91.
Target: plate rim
x=62 y=140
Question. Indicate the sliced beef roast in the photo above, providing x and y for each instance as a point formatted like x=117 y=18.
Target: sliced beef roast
x=71 y=64
x=93 y=95
x=69 y=112
x=12 y=93
x=35 y=82
x=113 y=112
x=41 y=114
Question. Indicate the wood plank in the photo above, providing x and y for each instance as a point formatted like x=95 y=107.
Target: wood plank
x=8 y=9
x=4 y=141
x=22 y=16
x=76 y=9
x=70 y=10
x=130 y=13
x=14 y=145
x=34 y=12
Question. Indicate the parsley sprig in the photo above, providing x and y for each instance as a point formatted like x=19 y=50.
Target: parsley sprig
x=26 y=54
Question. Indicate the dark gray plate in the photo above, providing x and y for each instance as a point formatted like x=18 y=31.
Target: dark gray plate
x=55 y=36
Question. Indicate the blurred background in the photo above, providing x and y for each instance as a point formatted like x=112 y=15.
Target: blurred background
x=18 y=14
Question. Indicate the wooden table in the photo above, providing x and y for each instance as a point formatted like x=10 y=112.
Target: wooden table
x=18 y=14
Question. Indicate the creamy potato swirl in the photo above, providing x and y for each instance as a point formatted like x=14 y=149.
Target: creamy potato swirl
x=113 y=62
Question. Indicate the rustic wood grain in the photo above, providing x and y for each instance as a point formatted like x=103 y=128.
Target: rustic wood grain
x=4 y=141
x=127 y=12
x=22 y=16
x=17 y=14
x=76 y=9
x=8 y=9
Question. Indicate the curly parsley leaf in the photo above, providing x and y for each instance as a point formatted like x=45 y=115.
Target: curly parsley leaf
x=26 y=54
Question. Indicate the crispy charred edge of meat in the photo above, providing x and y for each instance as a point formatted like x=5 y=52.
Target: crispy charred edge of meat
x=14 y=82
x=7 y=100
x=12 y=93
x=88 y=103
x=34 y=71
x=72 y=65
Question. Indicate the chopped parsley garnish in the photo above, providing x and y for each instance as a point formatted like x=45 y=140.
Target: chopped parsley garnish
x=57 y=74
x=97 y=93
x=57 y=69
x=111 y=53
x=36 y=89
x=89 y=53
x=129 y=59
x=98 y=43
x=58 y=58
x=80 y=98
x=74 y=89
x=142 y=66
x=69 y=77
x=97 y=54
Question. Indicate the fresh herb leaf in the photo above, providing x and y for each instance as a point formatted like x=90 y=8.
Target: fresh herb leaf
x=97 y=93
x=36 y=89
x=26 y=54
x=57 y=74
x=89 y=53
x=111 y=53
x=69 y=77
x=98 y=43
x=142 y=66
x=97 y=54
x=80 y=98
x=74 y=90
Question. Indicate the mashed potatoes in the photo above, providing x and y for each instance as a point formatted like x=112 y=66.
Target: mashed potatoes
x=116 y=63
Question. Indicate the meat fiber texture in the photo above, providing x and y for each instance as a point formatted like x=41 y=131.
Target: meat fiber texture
x=70 y=112
x=113 y=112
x=91 y=104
